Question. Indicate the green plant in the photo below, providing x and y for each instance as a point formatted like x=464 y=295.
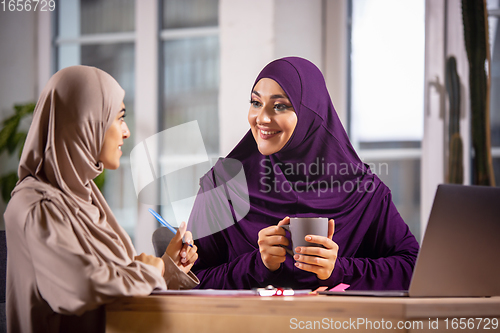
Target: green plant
x=99 y=180
x=12 y=140
x=475 y=22
x=455 y=157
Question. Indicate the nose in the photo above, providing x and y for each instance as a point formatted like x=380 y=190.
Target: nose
x=263 y=117
x=126 y=131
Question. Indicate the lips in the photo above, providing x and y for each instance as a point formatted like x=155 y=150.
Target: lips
x=267 y=134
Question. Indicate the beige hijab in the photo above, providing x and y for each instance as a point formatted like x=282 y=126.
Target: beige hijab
x=62 y=149
x=67 y=255
x=59 y=226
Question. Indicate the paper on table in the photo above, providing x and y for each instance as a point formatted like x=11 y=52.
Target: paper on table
x=220 y=292
x=206 y=292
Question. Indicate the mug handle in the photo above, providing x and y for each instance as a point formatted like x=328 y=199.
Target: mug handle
x=287 y=228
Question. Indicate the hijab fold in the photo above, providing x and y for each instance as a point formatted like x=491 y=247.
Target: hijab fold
x=61 y=153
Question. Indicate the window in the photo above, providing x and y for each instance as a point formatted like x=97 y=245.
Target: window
x=190 y=92
x=104 y=34
x=387 y=91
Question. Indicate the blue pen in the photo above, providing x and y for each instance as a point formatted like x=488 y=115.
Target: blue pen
x=163 y=222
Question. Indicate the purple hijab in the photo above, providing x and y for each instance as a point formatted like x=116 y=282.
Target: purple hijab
x=317 y=173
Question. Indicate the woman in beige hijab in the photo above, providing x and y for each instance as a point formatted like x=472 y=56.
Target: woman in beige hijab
x=67 y=255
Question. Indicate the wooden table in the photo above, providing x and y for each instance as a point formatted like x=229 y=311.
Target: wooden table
x=221 y=314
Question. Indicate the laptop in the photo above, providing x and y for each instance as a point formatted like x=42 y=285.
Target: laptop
x=460 y=252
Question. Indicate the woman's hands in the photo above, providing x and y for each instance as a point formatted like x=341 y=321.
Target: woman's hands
x=320 y=261
x=151 y=260
x=182 y=254
x=272 y=243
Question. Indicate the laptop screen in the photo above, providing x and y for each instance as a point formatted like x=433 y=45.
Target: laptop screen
x=460 y=252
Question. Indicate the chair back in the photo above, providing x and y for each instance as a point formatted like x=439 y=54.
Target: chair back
x=161 y=238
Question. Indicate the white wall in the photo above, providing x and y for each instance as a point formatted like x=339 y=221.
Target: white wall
x=18 y=71
x=298 y=27
x=146 y=104
x=335 y=63
x=246 y=46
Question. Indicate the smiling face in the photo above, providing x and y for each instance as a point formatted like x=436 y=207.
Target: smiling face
x=271 y=116
x=111 y=150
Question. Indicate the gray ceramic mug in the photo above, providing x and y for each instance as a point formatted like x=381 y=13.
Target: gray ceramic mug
x=300 y=227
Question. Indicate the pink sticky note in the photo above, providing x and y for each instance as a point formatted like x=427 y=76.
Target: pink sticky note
x=315 y=292
x=340 y=287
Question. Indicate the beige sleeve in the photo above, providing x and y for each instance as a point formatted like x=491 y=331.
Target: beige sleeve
x=76 y=272
x=175 y=278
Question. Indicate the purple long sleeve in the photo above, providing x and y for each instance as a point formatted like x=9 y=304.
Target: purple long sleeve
x=373 y=256
x=384 y=258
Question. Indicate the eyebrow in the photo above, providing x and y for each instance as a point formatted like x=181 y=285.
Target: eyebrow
x=276 y=96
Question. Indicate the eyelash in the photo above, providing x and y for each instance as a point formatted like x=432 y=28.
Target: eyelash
x=277 y=106
x=281 y=107
x=254 y=103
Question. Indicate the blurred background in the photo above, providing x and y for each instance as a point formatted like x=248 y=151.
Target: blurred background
x=184 y=60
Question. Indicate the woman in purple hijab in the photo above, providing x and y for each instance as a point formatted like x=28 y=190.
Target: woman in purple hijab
x=297 y=161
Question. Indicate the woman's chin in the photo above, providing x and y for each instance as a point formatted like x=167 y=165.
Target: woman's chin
x=263 y=151
x=111 y=166
x=266 y=151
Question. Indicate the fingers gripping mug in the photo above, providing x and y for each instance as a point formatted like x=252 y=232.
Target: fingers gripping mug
x=300 y=227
